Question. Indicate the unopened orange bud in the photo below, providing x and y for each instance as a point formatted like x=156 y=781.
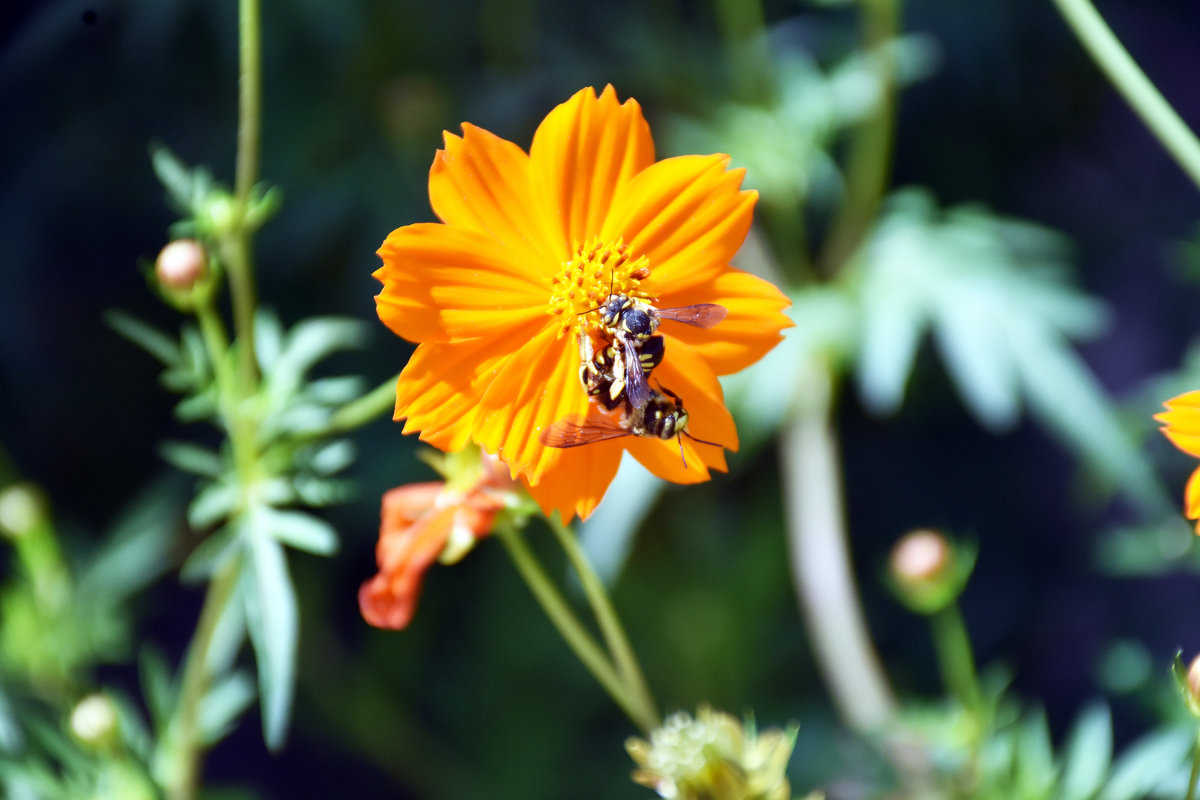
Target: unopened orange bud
x=927 y=571
x=1193 y=678
x=181 y=264
x=920 y=557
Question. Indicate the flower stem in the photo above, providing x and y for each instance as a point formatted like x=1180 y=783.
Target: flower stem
x=820 y=560
x=182 y=783
x=359 y=412
x=955 y=659
x=610 y=625
x=576 y=636
x=236 y=250
x=1133 y=84
x=1191 y=790
x=869 y=159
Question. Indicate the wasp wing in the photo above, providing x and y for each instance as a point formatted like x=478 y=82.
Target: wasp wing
x=577 y=430
x=701 y=315
x=637 y=390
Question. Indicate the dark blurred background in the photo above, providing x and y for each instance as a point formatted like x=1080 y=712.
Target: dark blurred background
x=479 y=698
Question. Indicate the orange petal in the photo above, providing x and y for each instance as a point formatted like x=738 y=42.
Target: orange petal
x=576 y=483
x=583 y=152
x=536 y=386
x=389 y=600
x=687 y=375
x=482 y=182
x=1187 y=442
x=1191 y=496
x=750 y=330
x=687 y=215
x=440 y=389
x=442 y=282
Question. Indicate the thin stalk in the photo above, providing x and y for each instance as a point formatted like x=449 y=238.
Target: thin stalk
x=359 y=412
x=238 y=426
x=820 y=560
x=870 y=156
x=955 y=659
x=1191 y=790
x=743 y=27
x=1114 y=60
x=576 y=636
x=237 y=247
x=182 y=783
x=610 y=625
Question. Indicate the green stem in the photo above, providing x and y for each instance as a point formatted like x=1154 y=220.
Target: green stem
x=1191 y=790
x=955 y=659
x=359 y=412
x=743 y=28
x=820 y=559
x=1133 y=84
x=238 y=426
x=182 y=783
x=869 y=160
x=610 y=625
x=556 y=608
x=236 y=249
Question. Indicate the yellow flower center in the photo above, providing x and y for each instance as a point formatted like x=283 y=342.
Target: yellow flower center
x=597 y=270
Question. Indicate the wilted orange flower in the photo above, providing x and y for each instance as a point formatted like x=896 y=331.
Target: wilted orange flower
x=1181 y=424
x=422 y=523
x=497 y=293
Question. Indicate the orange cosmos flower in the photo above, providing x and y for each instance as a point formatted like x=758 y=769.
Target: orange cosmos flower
x=425 y=522
x=1181 y=424
x=499 y=293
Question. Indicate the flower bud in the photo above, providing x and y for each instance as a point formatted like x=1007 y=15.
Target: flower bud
x=94 y=721
x=920 y=557
x=21 y=510
x=181 y=264
x=713 y=757
x=927 y=572
x=1188 y=682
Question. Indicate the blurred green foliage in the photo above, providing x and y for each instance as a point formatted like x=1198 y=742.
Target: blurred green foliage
x=478 y=698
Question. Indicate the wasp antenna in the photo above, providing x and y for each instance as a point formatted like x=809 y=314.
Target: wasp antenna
x=701 y=441
x=682 y=457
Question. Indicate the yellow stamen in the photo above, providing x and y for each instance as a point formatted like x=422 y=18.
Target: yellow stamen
x=599 y=269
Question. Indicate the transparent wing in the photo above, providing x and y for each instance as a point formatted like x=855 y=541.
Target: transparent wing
x=636 y=389
x=702 y=315
x=577 y=430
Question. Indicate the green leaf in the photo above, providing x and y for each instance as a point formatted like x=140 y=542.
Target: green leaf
x=299 y=530
x=158 y=688
x=268 y=339
x=1147 y=764
x=332 y=457
x=223 y=704
x=213 y=503
x=1088 y=754
x=209 y=556
x=147 y=337
x=1066 y=397
x=137 y=547
x=995 y=294
x=308 y=342
x=192 y=458
x=1035 y=769
x=11 y=739
x=176 y=177
x=272 y=620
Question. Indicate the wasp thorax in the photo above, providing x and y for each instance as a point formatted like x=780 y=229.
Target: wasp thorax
x=597 y=271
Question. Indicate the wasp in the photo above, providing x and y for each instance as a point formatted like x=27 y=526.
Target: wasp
x=662 y=416
x=632 y=324
x=603 y=374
